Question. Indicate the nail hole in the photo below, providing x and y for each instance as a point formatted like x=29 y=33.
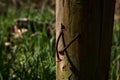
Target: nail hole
x=62 y=26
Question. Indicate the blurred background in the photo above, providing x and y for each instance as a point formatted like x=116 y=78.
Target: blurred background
x=27 y=40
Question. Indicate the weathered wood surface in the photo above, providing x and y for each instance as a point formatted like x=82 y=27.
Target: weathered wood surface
x=90 y=54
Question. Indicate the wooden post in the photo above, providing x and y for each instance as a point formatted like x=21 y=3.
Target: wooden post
x=88 y=57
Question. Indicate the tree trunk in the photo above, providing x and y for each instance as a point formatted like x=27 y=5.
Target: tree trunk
x=84 y=31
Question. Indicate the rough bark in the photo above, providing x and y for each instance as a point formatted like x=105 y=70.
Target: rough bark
x=90 y=53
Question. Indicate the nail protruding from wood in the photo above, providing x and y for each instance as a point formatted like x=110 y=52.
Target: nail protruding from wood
x=76 y=37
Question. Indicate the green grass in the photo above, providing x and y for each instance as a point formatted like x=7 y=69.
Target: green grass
x=32 y=56
x=115 y=53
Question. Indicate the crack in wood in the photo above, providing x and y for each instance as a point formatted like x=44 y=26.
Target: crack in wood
x=63 y=1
